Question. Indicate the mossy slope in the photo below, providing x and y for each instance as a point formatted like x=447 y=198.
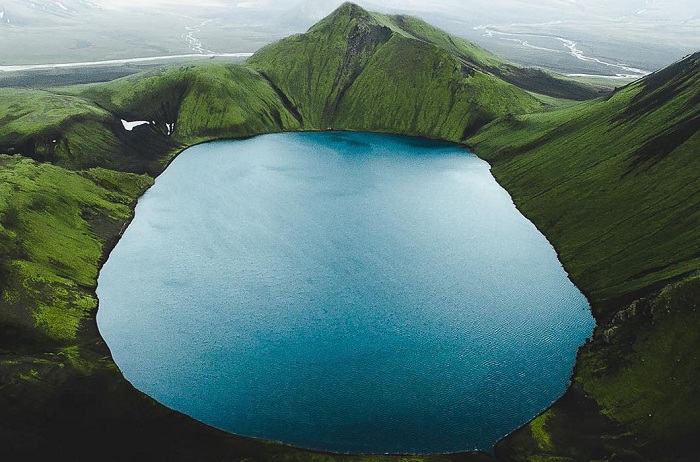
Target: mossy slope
x=614 y=185
x=199 y=101
x=81 y=126
x=634 y=394
x=50 y=218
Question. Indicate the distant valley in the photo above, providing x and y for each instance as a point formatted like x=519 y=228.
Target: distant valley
x=635 y=33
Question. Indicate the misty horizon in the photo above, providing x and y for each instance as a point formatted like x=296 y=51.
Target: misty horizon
x=624 y=39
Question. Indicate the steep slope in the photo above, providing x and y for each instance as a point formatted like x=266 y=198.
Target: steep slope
x=34 y=122
x=614 y=184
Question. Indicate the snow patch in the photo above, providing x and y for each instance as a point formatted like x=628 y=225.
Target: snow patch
x=61 y=6
x=131 y=125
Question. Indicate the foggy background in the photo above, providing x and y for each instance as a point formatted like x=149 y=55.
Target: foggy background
x=600 y=37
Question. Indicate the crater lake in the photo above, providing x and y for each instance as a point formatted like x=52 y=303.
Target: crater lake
x=348 y=292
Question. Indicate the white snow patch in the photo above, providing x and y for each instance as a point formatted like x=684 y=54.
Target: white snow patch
x=2 y=14
x=131 y=125
x=61 y=6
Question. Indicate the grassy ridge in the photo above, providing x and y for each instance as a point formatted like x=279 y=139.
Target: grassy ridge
x=614 y=185
x=451 y=107
x=594 y=160
x=315 y=69
x=478 y=59
x=38 y=123
x=80 y=127
x=71 y=131
x=201 y=101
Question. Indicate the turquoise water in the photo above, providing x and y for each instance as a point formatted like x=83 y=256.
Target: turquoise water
x=345 y=292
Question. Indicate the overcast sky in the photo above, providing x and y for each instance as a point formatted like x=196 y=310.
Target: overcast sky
x=626 y=13
x=670 y=8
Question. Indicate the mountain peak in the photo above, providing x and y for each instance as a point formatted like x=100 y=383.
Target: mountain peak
x=349 y=8
x=346 y=12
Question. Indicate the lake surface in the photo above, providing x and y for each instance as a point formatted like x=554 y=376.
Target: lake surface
x=341 y=291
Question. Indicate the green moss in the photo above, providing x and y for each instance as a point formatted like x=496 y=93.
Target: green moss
x=53 y=254
x=39 y=112
x=538 y=427
x=214 y=108
x=437 y=101
x=361 y=71
x=648 y=390
x=32 y=376
x=475 y=58
x=622 y=216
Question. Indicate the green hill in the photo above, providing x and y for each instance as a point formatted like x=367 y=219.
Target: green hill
x=612 y=183
x=361 y=70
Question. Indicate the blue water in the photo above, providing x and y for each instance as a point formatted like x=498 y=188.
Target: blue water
x=345 y=292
